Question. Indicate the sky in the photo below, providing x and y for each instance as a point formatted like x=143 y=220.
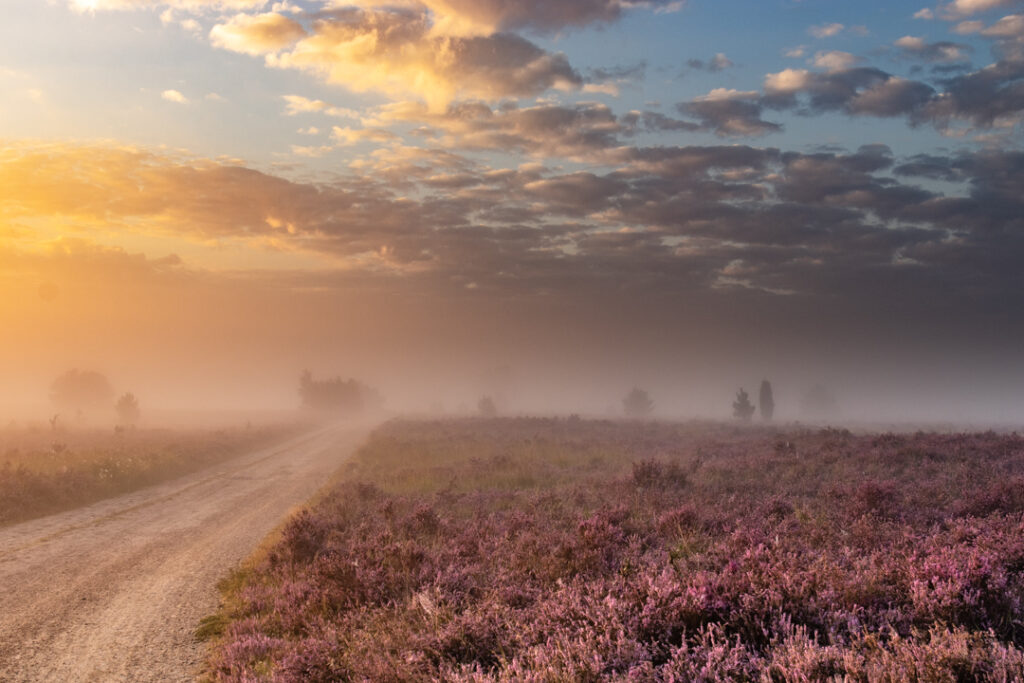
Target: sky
x=549 y=201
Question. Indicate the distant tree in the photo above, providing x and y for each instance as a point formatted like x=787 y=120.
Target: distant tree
x=81 y=390
x=487 y=407
x=336 y=395
x=819 y=402
x=127 y=409
x=637 y=403
x=742 y=408
x=765 y=401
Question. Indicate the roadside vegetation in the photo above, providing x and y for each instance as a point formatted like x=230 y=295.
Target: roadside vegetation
x=43 y=471
x=548 y=549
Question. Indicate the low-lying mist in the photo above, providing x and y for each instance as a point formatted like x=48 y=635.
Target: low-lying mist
x=192 y=352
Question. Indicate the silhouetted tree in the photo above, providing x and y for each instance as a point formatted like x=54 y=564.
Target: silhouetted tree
x=81 y=390
x=765 y=401
x=742 y=408
x=486 y=407
x=336 y=395
x=637 y=403
x=128 y=409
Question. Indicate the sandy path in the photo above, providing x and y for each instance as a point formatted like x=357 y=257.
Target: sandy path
x=114 y=591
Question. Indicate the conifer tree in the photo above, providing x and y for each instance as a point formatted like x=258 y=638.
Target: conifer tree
x=765 y=401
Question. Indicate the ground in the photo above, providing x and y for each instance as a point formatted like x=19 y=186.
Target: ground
x=114 y=591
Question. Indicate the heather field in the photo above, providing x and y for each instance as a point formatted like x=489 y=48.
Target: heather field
x=44 y=471
x=569 y=550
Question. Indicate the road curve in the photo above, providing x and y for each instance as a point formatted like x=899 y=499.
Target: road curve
x=114 y=591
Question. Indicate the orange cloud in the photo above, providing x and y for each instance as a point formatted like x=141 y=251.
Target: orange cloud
x=257 y=34
x=127 y=195
x=398 y=52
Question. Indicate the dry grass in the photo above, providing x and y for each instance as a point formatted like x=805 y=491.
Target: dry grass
x=46 y=471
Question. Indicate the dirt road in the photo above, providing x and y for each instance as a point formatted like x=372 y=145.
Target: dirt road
x=114 y=591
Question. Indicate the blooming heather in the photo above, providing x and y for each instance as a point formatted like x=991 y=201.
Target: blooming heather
x=543 y=550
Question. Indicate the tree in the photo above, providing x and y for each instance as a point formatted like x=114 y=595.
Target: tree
x=336 y=395
x=637 y=403
x=128 y=409
x=742 y=408
x=765 y=401
x=486 y=407
x=81 y=390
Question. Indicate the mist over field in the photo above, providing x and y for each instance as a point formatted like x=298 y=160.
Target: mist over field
x=205 y=349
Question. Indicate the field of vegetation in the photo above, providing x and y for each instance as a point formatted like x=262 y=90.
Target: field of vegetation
x=569 y=550
x=43 y=471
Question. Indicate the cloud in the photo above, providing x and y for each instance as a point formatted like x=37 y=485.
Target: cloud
x=854 y=91
x=826 y=30
x=1007 y=34
x=844 y=228
x=297 y=104
x=787 y=81
x=345 y=136
x=312 y=151
x=454 y=18
x=579 y=130
x=257 y=34
x=184 y=5
x=983 y=98
x=963 y=8
x=467 y=18
x=729 y=113
x=397 y=52
x=942 y=51
x=579 y=193
x=835 y=60
x=610 y=80
x=992 y=96
x=657 y=122
x=174 y=96
x=1010 y=26
x=720 y=62
x=168 y=18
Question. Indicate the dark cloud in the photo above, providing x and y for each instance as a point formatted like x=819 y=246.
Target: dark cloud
x=829 y=224
x=935 y=52
x=656 y=122
x=730 y=114
x=856 y=91
x=930 y=166
x=632 y=72
x=534 y=15
x=546 y=129
x=720 y=62
x=981 y=97
x=984 y=99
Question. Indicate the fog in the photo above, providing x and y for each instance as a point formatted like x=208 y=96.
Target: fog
x=202 y=349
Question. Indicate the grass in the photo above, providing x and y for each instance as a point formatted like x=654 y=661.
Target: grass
x=507 y=550
x=44 y=471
